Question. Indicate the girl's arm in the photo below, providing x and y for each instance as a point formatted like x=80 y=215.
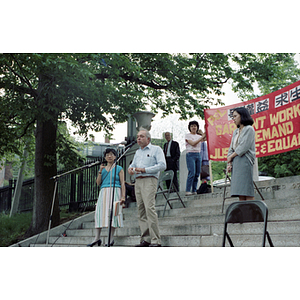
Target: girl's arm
x=99 y=177
x=194 y=143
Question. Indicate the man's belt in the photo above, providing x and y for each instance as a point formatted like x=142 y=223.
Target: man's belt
x=141 y=177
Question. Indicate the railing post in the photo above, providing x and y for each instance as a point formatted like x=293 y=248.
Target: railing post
x=72 y=202
x=10 y=193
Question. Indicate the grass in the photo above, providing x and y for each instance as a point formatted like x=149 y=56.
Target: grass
x=12 y=229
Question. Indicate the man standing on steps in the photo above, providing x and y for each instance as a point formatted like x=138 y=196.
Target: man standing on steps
x=148 y=162
x=172 y=154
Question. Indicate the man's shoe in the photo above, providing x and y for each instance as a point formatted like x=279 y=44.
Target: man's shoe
x=188 y=193
x=155 y=245
x=143 y=244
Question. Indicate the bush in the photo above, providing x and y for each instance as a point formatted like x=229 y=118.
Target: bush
x=12 y=229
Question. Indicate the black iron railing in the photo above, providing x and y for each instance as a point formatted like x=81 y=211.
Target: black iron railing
x=76 y=191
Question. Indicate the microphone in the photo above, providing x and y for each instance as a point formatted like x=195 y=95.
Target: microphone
x=131 y=144
x=93 y=164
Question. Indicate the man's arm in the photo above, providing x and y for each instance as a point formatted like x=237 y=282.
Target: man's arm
x=177 y=151
x=132 y=166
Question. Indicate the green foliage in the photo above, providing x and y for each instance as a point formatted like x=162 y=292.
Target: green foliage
x=96 y=90
x=11 y=229
x=284 y=164
x=67 y=149
x=270 y=71
x=281 y=165
x=218 y=169
x=158 y=142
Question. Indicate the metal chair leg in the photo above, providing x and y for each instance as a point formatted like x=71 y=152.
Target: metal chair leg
x=269 y=239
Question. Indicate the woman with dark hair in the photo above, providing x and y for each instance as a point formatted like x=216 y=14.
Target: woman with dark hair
x=193 y=158
x=106 y=177
x=241 y=155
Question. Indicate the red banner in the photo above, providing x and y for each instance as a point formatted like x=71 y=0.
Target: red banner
x=276 y=122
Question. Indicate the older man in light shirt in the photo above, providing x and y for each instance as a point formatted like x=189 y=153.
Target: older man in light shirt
x=148 y=162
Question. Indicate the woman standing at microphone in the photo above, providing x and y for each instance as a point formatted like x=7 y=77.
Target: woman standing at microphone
x=106 y=179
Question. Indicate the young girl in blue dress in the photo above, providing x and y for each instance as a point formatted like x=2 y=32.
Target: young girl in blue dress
x=105 y=178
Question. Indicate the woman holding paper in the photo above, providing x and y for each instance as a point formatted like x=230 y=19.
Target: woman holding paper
x=105 y=179
x=241 y=155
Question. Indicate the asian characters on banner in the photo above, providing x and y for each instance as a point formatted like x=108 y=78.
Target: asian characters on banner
x=276 y=122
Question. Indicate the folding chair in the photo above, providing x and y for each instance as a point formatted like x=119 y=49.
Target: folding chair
x=167 y=175
x=247 y=212
x=228 y=184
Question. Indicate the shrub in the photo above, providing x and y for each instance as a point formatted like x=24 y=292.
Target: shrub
x=12 y=229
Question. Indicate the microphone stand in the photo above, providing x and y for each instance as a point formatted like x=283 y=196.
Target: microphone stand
x=113 y=191
x=55 y=190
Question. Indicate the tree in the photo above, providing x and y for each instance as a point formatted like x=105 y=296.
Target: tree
x=287 y=163
x=95 y=91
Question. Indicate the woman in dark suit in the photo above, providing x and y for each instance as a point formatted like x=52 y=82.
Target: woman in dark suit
x=241 y=155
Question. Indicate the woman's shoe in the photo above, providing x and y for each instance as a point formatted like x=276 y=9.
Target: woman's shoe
x=111 y=243
x=94 y=243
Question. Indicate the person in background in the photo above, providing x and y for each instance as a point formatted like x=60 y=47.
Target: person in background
x=241 y=155
x=204 y=174
x=193 y=158
x=105 y=179
x=148 y=162
x=130 y=194
x=172 y=155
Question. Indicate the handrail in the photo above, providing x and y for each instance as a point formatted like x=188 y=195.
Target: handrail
x=57 y=177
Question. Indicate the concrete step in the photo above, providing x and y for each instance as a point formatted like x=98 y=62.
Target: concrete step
x=274 y=228
x=285 y=240
x=196 y=207
x=179 y=227
x=192 y=235
x=200 y=224
x=274 y=214
x=215 y=199
x=207 y=215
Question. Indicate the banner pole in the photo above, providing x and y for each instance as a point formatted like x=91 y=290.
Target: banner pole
x=211 y=176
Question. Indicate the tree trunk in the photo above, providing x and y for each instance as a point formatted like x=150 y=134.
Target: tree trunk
x=45 y=168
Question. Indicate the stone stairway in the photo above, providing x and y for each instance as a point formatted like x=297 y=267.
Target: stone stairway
x=200 y=224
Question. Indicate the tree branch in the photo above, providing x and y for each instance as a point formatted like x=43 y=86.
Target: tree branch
x=130 y=78
x=25 y=78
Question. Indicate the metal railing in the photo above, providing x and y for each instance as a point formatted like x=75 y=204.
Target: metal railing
x=76 y=191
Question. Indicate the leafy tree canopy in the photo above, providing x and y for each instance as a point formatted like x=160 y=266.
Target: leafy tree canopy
x=287 y=163
x=96 y=90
